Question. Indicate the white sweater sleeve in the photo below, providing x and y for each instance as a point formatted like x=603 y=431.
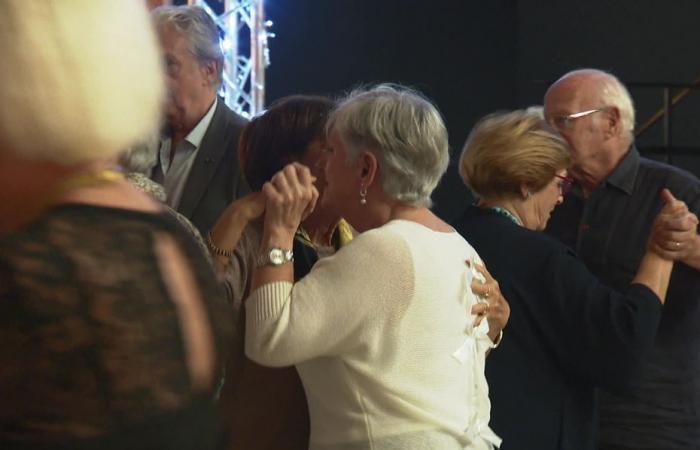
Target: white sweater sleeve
x=345 y=300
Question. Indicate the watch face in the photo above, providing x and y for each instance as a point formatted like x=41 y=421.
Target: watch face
x=277 y=256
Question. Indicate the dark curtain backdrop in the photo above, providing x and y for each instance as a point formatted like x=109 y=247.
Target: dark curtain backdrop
x=638 y=40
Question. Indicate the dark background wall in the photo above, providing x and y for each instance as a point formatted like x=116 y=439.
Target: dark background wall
x=461 y=54
x=475 y=57
x=641 y=41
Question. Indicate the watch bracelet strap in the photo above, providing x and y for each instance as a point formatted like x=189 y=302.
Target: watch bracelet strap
x=217 y=250
x=263 y=257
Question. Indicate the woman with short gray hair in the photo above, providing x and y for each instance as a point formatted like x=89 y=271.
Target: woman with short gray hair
x=408 y=130
x=137 y=162
x=386 y=335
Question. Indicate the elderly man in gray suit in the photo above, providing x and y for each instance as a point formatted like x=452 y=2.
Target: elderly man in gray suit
x=197 y=159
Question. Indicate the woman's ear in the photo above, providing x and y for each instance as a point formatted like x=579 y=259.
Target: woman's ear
x=368 y=167
x=525 y=191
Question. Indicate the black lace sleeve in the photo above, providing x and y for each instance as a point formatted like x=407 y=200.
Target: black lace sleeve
x=91 y=340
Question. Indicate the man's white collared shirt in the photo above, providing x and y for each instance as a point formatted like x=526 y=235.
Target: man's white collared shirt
x=175 y=173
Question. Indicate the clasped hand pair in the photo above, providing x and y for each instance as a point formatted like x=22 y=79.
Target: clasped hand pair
x=674 y=231
x=290 y=196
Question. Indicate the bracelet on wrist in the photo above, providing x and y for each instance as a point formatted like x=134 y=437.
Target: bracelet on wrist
x=216 y=250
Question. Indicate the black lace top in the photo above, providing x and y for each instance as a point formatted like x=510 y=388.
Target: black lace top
x=92 y=350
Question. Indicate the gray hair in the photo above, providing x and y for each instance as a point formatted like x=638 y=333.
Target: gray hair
x=405 y=131
x=142 y=156
x=537 y=110
x=198 y=29
x=614 y=93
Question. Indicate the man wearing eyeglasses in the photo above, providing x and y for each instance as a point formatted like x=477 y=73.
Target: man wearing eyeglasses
x=608 y=220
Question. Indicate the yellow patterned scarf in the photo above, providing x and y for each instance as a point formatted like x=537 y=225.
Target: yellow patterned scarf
x=341 y=236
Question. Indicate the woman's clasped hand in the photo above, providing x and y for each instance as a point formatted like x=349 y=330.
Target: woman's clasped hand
x=290 y=196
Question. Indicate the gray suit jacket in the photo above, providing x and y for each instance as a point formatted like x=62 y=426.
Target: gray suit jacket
x=215 y=179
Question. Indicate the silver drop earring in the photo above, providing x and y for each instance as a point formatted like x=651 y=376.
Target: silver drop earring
x=363 y=196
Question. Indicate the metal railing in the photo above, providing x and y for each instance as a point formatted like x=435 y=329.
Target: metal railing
x=244 y=33
x=672 y=94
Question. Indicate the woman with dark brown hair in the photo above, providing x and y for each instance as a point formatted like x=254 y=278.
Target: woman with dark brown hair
x=266 y=408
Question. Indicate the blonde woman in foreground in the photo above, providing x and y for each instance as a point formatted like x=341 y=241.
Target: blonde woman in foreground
x=112 y=324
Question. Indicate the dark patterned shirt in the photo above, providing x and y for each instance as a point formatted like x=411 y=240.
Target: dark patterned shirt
x=609 y=230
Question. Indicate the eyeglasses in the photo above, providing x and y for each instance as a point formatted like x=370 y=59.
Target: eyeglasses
x=566 y=184
x=567 y=122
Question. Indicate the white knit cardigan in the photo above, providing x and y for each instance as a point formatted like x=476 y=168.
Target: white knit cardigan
x=383 y=339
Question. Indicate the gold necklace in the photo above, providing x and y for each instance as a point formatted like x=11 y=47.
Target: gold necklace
x=91 y=179
x=27 y=211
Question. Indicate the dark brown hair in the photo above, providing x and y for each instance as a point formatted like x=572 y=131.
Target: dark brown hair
x=281 y=135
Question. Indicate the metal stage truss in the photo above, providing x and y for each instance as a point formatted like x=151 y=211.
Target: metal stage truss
x=244 y=32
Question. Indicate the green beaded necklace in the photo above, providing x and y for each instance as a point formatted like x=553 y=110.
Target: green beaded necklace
x=508 y=214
